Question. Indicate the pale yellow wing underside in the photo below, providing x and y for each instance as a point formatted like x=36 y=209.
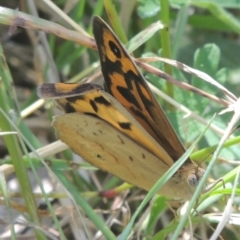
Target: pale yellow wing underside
x=110 y=150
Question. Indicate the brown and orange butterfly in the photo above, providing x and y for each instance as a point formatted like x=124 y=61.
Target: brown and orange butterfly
x=122 y=129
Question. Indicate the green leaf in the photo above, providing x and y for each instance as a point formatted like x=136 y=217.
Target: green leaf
x=158 y=206
x=207 y=59
x=148 y=8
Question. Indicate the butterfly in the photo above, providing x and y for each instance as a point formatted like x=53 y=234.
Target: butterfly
x=121 y=128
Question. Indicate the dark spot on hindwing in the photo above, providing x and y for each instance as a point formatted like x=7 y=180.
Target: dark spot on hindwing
x=94 y=105
x=98 y=100
x=115 y=49
x=99 y=156
x=130 y=158
x=102 y=100
x=125 y=125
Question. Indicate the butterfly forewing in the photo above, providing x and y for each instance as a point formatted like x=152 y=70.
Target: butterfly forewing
x=124 y=81
x=91 y=100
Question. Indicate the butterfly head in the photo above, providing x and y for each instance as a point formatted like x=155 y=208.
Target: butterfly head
x=195 y=176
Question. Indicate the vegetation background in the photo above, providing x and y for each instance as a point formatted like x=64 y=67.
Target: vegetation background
x=41 y=199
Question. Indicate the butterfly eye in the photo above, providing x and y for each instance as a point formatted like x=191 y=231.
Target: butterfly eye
x=193 y=180
x=115 y=49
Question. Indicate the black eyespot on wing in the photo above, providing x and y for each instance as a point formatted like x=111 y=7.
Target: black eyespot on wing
x=125 y=125
x=102 y=100
x=94 y=105
x=115 y=49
